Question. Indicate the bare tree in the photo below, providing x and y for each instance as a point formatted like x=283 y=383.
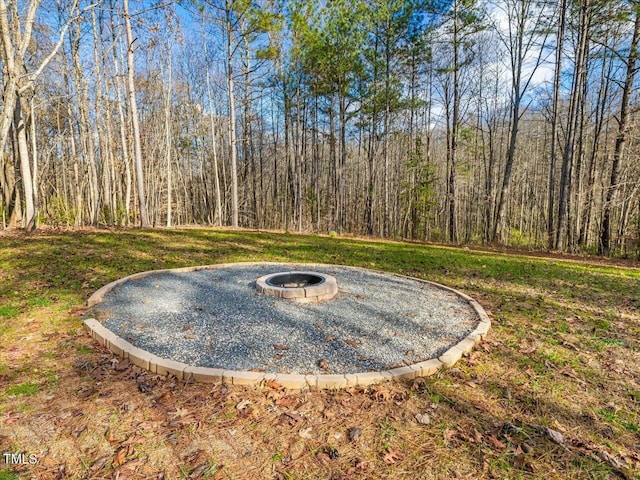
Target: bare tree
x=623 y=131
x=18 y=83
x=525 y=36
x=551 y=234
x=133 y=105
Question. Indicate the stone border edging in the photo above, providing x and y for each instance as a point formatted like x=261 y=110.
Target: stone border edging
x=182 y=371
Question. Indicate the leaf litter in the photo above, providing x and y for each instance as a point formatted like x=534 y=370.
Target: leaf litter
x=93 y=380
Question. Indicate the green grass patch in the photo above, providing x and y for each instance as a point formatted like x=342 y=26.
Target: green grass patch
x=612 y=341
x=9 y=311
x=39 y=301
x=52 y=380
x=26 y=389
x=8 y=475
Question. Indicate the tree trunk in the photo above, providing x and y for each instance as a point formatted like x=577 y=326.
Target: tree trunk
x=623 y=128
x=572 y=124
x=451 y=186
x=137 y=147
x=232 y=119
x=29 y=220
x=551 y=232
x=167 y=126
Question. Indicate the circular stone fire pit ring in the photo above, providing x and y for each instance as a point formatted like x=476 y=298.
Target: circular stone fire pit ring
x=214 y=324
x=299 y=286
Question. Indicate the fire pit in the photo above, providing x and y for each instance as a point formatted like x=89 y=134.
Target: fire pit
x=302 y=287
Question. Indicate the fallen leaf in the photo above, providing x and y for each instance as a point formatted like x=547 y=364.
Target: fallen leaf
x=323 y=458
x=329 y=338
x=611 y=460
x=287 y=402
x=77 y=431
x=173 y=439
x=319 y=325
x=144 y=387
x=306 y=432
x=418 y=384
x=360 y=464
x=273 y=384
x=570 y=345
x=357 y=390
x=382 y=394
x=352 y=342
x=120 y=456
x=323 y=364
x=528 y=350
x=297 y=418
x=288 y=419
x=99 y=374
x=354 y=433
x=77 y=312
x=62 y=471
x=495 y=443
x=570 y=372
x=243 y=404
x=329 y=414
x=163 y=396
x=180 y=412
x=392 y=456
x=423 y=419
x=554 y=435
x=122 y=365
x=135 y=439
x=332 y=452
x=131 y=464
x=277 y=346
x=111 y=438
x=199 y=471
x=99 y=463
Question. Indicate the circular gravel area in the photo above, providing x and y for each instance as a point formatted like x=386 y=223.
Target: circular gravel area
x=216 y=318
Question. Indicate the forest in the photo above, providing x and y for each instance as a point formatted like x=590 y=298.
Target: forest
x=467 y=121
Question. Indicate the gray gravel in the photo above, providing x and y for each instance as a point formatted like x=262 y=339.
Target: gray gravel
x=215 y=318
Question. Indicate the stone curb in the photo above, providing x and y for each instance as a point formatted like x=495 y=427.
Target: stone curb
x=182 y=371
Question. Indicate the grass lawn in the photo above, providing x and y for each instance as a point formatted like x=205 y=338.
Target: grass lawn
x=553 y=393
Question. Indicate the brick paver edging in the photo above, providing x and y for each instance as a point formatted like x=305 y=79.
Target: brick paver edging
x=182 y=371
